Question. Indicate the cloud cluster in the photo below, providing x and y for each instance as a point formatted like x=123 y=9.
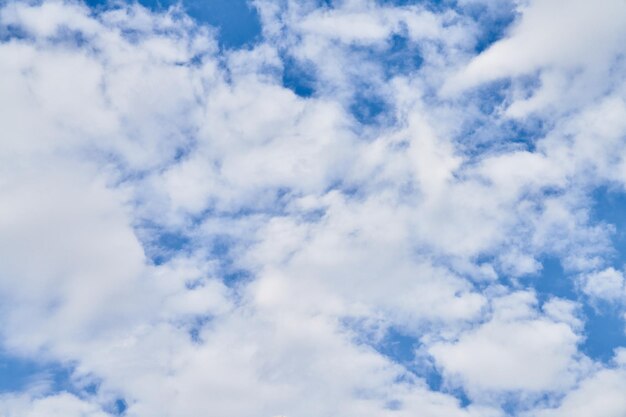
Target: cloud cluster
x=241 y=232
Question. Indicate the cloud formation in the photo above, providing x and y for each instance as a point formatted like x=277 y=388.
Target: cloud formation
x=353 y=216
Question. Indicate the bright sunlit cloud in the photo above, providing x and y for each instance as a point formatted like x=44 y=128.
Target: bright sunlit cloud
x=308 y=208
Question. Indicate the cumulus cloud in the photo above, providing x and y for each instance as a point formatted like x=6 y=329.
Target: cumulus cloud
x=570 y=48
x=607 y=284
x=183 y=231
x=517 y=349
x=606 y=384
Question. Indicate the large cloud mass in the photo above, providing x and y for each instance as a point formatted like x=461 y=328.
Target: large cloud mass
x=353 y=216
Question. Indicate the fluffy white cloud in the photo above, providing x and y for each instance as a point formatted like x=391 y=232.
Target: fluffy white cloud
x=183 y=232
x=58 y=405
x=571 y=47
x=600 y=395
x=607 y=284
x=518 y=349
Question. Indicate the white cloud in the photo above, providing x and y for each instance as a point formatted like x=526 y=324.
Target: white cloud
x=572 y=47
x=517 y=349
x=58 y=405
x=123 y=128
x=600 y=395
x=607 y=284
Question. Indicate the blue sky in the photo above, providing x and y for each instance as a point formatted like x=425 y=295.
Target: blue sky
x=312 y=208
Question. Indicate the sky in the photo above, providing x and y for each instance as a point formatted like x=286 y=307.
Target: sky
x=312 y=208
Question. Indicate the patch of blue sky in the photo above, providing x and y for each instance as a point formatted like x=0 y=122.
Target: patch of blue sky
x=398 y=55
x=298 y=77
x=401 y=57
x=63 y=35
x=367 y=104
x=608 y=208
x=195 y=328
x=490 y=97
x=604 y=327
x=552 y=281
x=430 y=4
x=402 y=348
x=486 y=130
x=89 y=387
x=235 y=278
x=237 y=21
x=483 y=105
x=116 y=407
x=120 y=407
x=10 y=32
x=162 y=245
x=434 y=5
x=18 y=373
x=525 y=132
x=223 y=250
x=514 y=404
x=348 y=189
x=369 y=108
x=398 y=346
x=605 y=331
x=481 y=137
x=493 y=20
x=272 y=201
